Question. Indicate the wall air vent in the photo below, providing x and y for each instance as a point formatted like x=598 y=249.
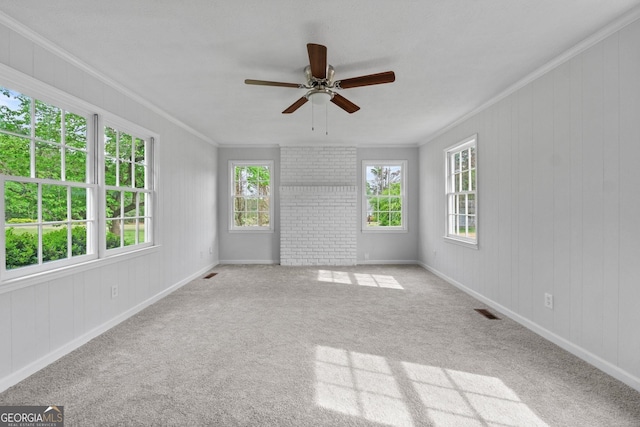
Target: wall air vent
x=210 y=275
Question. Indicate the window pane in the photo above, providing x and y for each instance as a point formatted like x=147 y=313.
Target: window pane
x=251 y=204
x=473 y=180
x=140 y=176
x=125 y=174
x=20 y=202
x=79 y=203
x=54 y=202
x=142 y=238
x=473 y=157
x=54 y=242
x=129 y=204
x=457 y=182
x=395 y=204
x=396 y=219
x=464 y=156
x=75 y=130
x=15 y=112
x=456 y=162
x=110 y=142
x=14 y=155
x=238 y=219
x=471 y=206
x=48 y=122
x=251 y=219
x=109 y=171
x=130 y=232
x=263 y=219
x=142 y=198
x=48 y=161
x=113 y=234
x=140 y=151
x=126 y=146
x=461 y=205
x=75 y=165
x=21 y=246
x=113 y=203
x=79 y=239
x=263 y=204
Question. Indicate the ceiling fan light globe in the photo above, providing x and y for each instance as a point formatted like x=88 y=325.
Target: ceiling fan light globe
x=320 y=98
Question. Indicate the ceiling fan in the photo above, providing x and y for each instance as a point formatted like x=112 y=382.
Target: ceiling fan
x=321 y=84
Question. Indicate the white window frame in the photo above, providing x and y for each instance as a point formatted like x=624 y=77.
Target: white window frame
x=450 y=192
x=250 y=229
x=149 y=224
x=23 y=276
x=366 y=228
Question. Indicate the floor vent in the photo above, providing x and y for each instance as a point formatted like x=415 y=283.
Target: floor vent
x=486 y=313
x=210 y=275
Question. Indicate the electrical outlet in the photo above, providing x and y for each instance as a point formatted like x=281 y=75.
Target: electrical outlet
x=114 y=291
x=548 y=301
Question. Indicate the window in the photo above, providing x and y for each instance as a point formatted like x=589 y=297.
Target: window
x=251 y=207
x=60 y=184
x=461 y=192
x=127 y=189
x=45 y=187
x=384 y=195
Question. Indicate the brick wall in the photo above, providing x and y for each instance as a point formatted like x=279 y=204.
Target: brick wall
x=318 y=205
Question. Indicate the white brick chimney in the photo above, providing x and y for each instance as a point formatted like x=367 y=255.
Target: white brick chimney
x=318 y=203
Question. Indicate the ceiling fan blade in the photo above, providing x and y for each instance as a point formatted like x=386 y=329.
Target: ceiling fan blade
x=267 y=83
x=293 y=107
x=344 y=103
x=317 y=60
x=371 y=79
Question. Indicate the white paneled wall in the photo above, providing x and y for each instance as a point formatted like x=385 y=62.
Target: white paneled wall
x=318 y=201
x=558 y=205
x=44 y=318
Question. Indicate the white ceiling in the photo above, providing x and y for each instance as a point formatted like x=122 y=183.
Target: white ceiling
x=190 y=58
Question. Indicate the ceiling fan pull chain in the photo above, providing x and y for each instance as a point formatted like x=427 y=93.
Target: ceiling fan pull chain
x=326 y=119
x=312 y=121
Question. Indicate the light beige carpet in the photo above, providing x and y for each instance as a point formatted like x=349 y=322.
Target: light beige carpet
x=326 y=346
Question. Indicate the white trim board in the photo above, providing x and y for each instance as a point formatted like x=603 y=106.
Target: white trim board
x=607 y=367
x=15 y=377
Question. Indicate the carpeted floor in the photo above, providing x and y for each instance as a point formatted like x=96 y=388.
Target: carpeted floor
x=324 y=346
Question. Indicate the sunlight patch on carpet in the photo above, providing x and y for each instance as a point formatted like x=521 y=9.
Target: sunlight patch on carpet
x=462 y=398
x=365 y=385
x=361 y=279
x=359 y=384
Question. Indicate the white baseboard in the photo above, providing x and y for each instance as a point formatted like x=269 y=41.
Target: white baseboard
x=248 y=261
x=56 y=354
x=388 y=262
x=605 y=366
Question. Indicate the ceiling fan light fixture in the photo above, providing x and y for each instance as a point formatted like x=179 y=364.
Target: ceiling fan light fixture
x=320 y=96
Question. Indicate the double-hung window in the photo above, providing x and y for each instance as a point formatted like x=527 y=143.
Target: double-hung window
x=384 y=201
x=70 y=191
x=47 y=187
x=127 y=188
x=462 y=192
x=251 y=207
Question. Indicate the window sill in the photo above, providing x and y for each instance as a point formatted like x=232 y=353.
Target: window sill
x=249 y=231
x=385 y=230
x=461 y=242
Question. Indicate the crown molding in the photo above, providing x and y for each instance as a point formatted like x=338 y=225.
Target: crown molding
x=608 y=30
x=46 y=44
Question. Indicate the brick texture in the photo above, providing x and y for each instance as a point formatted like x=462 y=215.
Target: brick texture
x=318 y=210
